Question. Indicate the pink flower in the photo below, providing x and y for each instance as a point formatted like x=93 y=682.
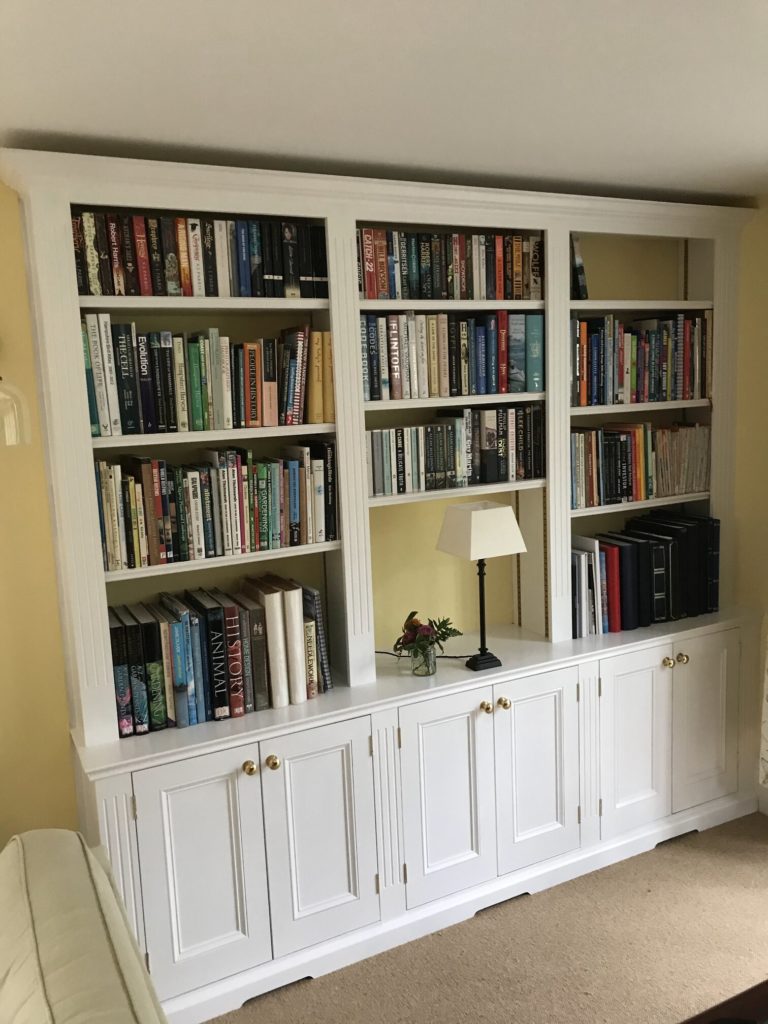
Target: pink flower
x=426 y=631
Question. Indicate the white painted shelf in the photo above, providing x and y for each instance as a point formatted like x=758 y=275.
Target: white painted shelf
x=459 y=401
x=449 y=305
x=205 y=438
x=197 y=304
x=641 y=305
x=631 y=506
x=623 y=410
x=120 y=575
x=456 y=492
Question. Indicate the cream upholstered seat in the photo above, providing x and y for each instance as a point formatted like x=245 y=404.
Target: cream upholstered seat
x=67 y=955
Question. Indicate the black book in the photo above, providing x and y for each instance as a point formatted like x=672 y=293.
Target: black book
x=628 y=579
x=475 y=471
x=712 y=532
x=659 y=572
x=439 y=290
x=489 y=450
x=319 y=260
x=454 y=356
x=490 y=267
x=256 y=246
x=156 y=268
x=528 y=454
x=277 y=258
x=130 y=550
x=538 y=449
x=170 y=252
x=212 y=613
x=125 y=371
x=508 y=273
x=374 y=370
x=236 y=371
x=425 y=266
x=313 y=608
x=78 y=240
x=105 y=257
x=306 y=272
x=210 y=275
x=130 y=266
x=441 y=481
x=234 y=259
x=153 y=665
x=697 y=529
x=169 y=385
x=136 y=671
x=266 y=255
x=290 y=253
x=520 y=442
x=400 y=459
x=158 y=377
x=449 y=432
x=175 y=501
x=690 y=573
x=405 y=290
x=644 y=576
x=674 y=594
x=120 y=675
x=146 y=385
x=182 y=526
x=412 y=246
x=470 y=269
x=502 y=443
x=429 y=457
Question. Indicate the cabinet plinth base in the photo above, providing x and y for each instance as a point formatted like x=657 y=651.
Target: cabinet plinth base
x=479 y=662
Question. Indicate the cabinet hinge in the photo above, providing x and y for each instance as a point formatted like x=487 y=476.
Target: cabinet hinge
x=600 y=807
x=146 y=961
x=134 y=811
x=405 y=874
x=578 y=815
x=370 y=745
x=399 y=737
x=376 y=884
x=578 y=692
x=599 y=686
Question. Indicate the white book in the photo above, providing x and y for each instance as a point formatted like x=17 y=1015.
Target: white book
x=481 y=292
x=117 y=488
x=245 y=507
x=318 y=499
x=110 y=372
x=180 y=380
x=271 y=600
x=407 y=457
x=405 y=360
x=226 y=383
x=196 y=514
x=141 y=524
x=99 y=381
x=195 y=242
x=111 y=524
x=422 y=355
x=511 y=443
x=413 y=353
x=295 y=645
x=218 y=463
x=221 y=244
x=381 y=328
x=235 y=497
x=592 y=547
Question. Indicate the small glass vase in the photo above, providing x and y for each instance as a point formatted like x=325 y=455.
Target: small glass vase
x=424 y=662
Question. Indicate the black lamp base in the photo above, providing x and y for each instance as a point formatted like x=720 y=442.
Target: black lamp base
x=481 y=661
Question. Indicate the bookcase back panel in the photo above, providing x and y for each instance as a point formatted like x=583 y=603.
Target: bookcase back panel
x=632 y=266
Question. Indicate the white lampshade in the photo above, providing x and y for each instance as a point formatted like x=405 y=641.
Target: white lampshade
x=480 y=529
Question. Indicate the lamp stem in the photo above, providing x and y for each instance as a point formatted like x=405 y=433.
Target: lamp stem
x=481 y=581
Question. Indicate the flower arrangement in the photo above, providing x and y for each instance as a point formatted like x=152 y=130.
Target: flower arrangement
x=419 y=639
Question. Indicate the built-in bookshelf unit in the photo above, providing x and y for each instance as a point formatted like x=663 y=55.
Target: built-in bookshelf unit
x=424 y=347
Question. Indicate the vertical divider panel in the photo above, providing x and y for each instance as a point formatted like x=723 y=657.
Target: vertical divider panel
x=349 y=571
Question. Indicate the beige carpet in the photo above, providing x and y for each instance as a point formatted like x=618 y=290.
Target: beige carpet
x=652 y=940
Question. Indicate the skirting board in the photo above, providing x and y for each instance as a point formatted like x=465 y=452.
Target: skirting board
x=229 y=994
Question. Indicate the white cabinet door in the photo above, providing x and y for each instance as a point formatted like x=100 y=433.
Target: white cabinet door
x=449 y=816
x=537 y=768
x=203 y=874
x=705 y=712
x=321 y=833
x=635 y=739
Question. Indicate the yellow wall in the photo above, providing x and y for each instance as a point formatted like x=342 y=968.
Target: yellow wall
x=36 y=784
x=37 y=787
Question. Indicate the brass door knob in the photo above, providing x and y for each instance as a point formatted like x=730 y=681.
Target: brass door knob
x=273 y=762
x=683 y=659
x=249 y=768
x=668 y=663
x=486 y=706
x=504 y=702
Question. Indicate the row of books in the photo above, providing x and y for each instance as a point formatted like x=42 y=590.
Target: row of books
x=624 y=462
x=449 y=265
x=207 y=655
x=463 y=448
x=661 y=567
x=654 y=360
x=154 y=513
x=118 y=252
x=146 y=382
x=442 y=355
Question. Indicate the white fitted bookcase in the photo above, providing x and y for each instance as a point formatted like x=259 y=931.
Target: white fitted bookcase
x=379 y=727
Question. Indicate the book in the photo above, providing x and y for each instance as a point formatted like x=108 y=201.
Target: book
x=154 y=673
x=295 y=643
x=271 y=599
x=136 y=669
x=121 y=677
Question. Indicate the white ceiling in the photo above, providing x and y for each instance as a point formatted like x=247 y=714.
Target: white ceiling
x=615 y=96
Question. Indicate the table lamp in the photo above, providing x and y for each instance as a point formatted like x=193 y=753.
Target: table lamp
x=476 y=531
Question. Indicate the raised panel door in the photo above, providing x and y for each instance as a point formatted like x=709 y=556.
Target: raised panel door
x=448 y=785
x=201 y=849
